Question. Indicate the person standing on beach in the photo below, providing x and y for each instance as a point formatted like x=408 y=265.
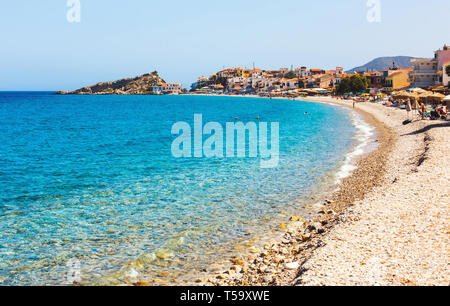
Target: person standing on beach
x=354 y=103
x=408 y=108
x=422 y=107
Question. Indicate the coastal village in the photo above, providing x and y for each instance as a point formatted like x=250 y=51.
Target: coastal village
x=424 y=79
x=422 y=86
x=431 y=74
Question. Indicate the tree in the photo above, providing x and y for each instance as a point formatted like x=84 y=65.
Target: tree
x=447 y=70
x=290 y=75
x=155 y=73
x=353 y=84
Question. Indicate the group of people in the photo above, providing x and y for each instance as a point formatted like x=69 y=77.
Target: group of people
x=438 y=113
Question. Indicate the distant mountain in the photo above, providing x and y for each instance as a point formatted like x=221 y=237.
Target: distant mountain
x=383 y=63
x=141 y=85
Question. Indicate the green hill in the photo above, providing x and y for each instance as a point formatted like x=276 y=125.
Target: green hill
x=140 y=85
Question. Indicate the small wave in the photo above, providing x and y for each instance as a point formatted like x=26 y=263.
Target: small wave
x=363 y=137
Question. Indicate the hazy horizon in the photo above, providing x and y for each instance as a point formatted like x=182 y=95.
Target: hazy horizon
x=42 y=51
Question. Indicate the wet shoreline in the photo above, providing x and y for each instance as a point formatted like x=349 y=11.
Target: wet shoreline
x=280 y=260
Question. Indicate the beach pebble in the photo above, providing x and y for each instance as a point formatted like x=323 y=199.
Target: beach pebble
x=305 y=237
x=201 y=280
x=238 y=269
x=262 y=269
x=142 y=284
x=252 y=257
x=238 y=261
x=268 y=279
x=254 y=250
x=292 y=266
x=295 y=218
x=278 y=259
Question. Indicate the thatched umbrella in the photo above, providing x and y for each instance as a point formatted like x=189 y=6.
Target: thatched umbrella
x=439 y=96
x=403 y=95
x=417 y=90
x=434 y=98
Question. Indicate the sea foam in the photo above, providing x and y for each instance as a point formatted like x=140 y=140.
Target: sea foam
x=364 y=139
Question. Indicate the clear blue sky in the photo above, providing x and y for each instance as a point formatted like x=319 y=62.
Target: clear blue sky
x=41 y=50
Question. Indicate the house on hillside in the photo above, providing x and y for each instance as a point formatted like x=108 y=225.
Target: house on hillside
x=317 y=71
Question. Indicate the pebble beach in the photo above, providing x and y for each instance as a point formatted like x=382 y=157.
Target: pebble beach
x=387 y=224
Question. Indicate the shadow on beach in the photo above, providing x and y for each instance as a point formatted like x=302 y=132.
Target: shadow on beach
x=429 y=127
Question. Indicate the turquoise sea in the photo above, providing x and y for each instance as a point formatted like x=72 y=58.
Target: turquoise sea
x=91 y=180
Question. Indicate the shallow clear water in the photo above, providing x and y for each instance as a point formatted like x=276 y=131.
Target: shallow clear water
x=92 y=178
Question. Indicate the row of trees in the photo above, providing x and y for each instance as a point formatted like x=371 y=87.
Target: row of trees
x=353 y=84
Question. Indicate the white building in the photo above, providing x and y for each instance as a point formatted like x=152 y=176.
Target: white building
x=172 y=87
x=431 y=72
x=445 y=75
x=425 y=73
x=167 y=88
x=303 y=72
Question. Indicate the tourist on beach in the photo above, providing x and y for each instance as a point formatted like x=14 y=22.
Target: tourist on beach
x=408 y=109
x=441 y=112
x=422 y=108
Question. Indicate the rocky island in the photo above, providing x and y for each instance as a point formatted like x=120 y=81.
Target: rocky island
x=141 y=85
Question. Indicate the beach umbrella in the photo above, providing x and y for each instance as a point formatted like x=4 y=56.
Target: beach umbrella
x=417 y=90
x=438 y=96
x=447 y=99
x=402 y=93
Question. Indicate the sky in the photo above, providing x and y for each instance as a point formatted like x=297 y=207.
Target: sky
x=183 y=40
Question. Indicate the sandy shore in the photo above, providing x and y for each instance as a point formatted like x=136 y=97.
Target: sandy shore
x=387 y=224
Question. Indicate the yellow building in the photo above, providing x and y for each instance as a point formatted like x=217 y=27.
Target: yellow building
x=247 y=73
x=396 y=80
